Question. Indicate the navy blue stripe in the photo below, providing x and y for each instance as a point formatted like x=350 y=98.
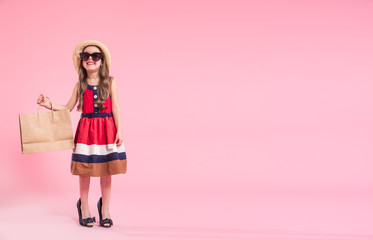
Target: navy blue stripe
x=103 y=114
x=94 y=93
x=98 y=158
x=90 y=87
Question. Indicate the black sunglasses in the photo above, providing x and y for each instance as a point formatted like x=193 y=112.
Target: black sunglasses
x=95 y=56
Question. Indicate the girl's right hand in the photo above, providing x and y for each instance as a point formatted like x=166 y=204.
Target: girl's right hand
x=44 y=101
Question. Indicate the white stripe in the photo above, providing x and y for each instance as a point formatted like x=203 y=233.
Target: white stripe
x=95 y=149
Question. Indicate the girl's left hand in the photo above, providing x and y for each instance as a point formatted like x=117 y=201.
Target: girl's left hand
x=118 y=139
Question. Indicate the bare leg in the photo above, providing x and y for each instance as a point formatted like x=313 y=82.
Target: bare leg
x=84 y=182
x=105 y=191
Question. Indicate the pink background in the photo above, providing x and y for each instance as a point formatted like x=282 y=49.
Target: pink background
x=240 y=118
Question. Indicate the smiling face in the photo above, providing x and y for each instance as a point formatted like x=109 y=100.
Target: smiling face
x=90 y=65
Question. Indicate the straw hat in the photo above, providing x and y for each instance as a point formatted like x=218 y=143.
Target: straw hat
x=79 y=48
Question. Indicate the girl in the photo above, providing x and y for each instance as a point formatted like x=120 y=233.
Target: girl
x=99 y=148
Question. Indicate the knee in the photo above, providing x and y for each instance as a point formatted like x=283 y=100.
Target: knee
x=106 y=179
x=84 y=178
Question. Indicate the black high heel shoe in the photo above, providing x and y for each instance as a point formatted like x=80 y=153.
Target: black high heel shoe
x=106 y=220
x=85 y=221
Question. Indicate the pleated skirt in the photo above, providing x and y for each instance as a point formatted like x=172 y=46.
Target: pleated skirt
x=95 y=153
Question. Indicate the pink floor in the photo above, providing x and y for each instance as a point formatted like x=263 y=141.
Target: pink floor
x=167 y=215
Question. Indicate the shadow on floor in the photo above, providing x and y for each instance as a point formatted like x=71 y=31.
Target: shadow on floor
x=229 y=233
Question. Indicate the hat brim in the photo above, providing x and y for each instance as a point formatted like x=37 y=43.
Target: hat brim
x=79 y=48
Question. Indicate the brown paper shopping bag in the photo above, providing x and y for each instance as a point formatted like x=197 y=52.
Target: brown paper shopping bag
x=46 y=131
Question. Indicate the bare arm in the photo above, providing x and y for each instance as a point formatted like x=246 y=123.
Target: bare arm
x=115 y=106
x=45 y=102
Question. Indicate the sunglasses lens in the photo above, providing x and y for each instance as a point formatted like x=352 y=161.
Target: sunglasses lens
x=84 y=56
x=96 y=56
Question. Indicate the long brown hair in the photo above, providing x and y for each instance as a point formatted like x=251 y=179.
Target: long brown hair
x=103 y=86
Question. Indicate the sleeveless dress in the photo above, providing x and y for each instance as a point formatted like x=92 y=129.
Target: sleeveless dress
x=95 y=153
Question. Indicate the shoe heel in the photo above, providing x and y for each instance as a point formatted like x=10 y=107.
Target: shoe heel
x=84 y=222
x=78 y=205
x=106 y=220
x=99 y=205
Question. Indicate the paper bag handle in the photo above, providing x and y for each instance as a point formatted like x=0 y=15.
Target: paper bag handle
x=51 y=107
